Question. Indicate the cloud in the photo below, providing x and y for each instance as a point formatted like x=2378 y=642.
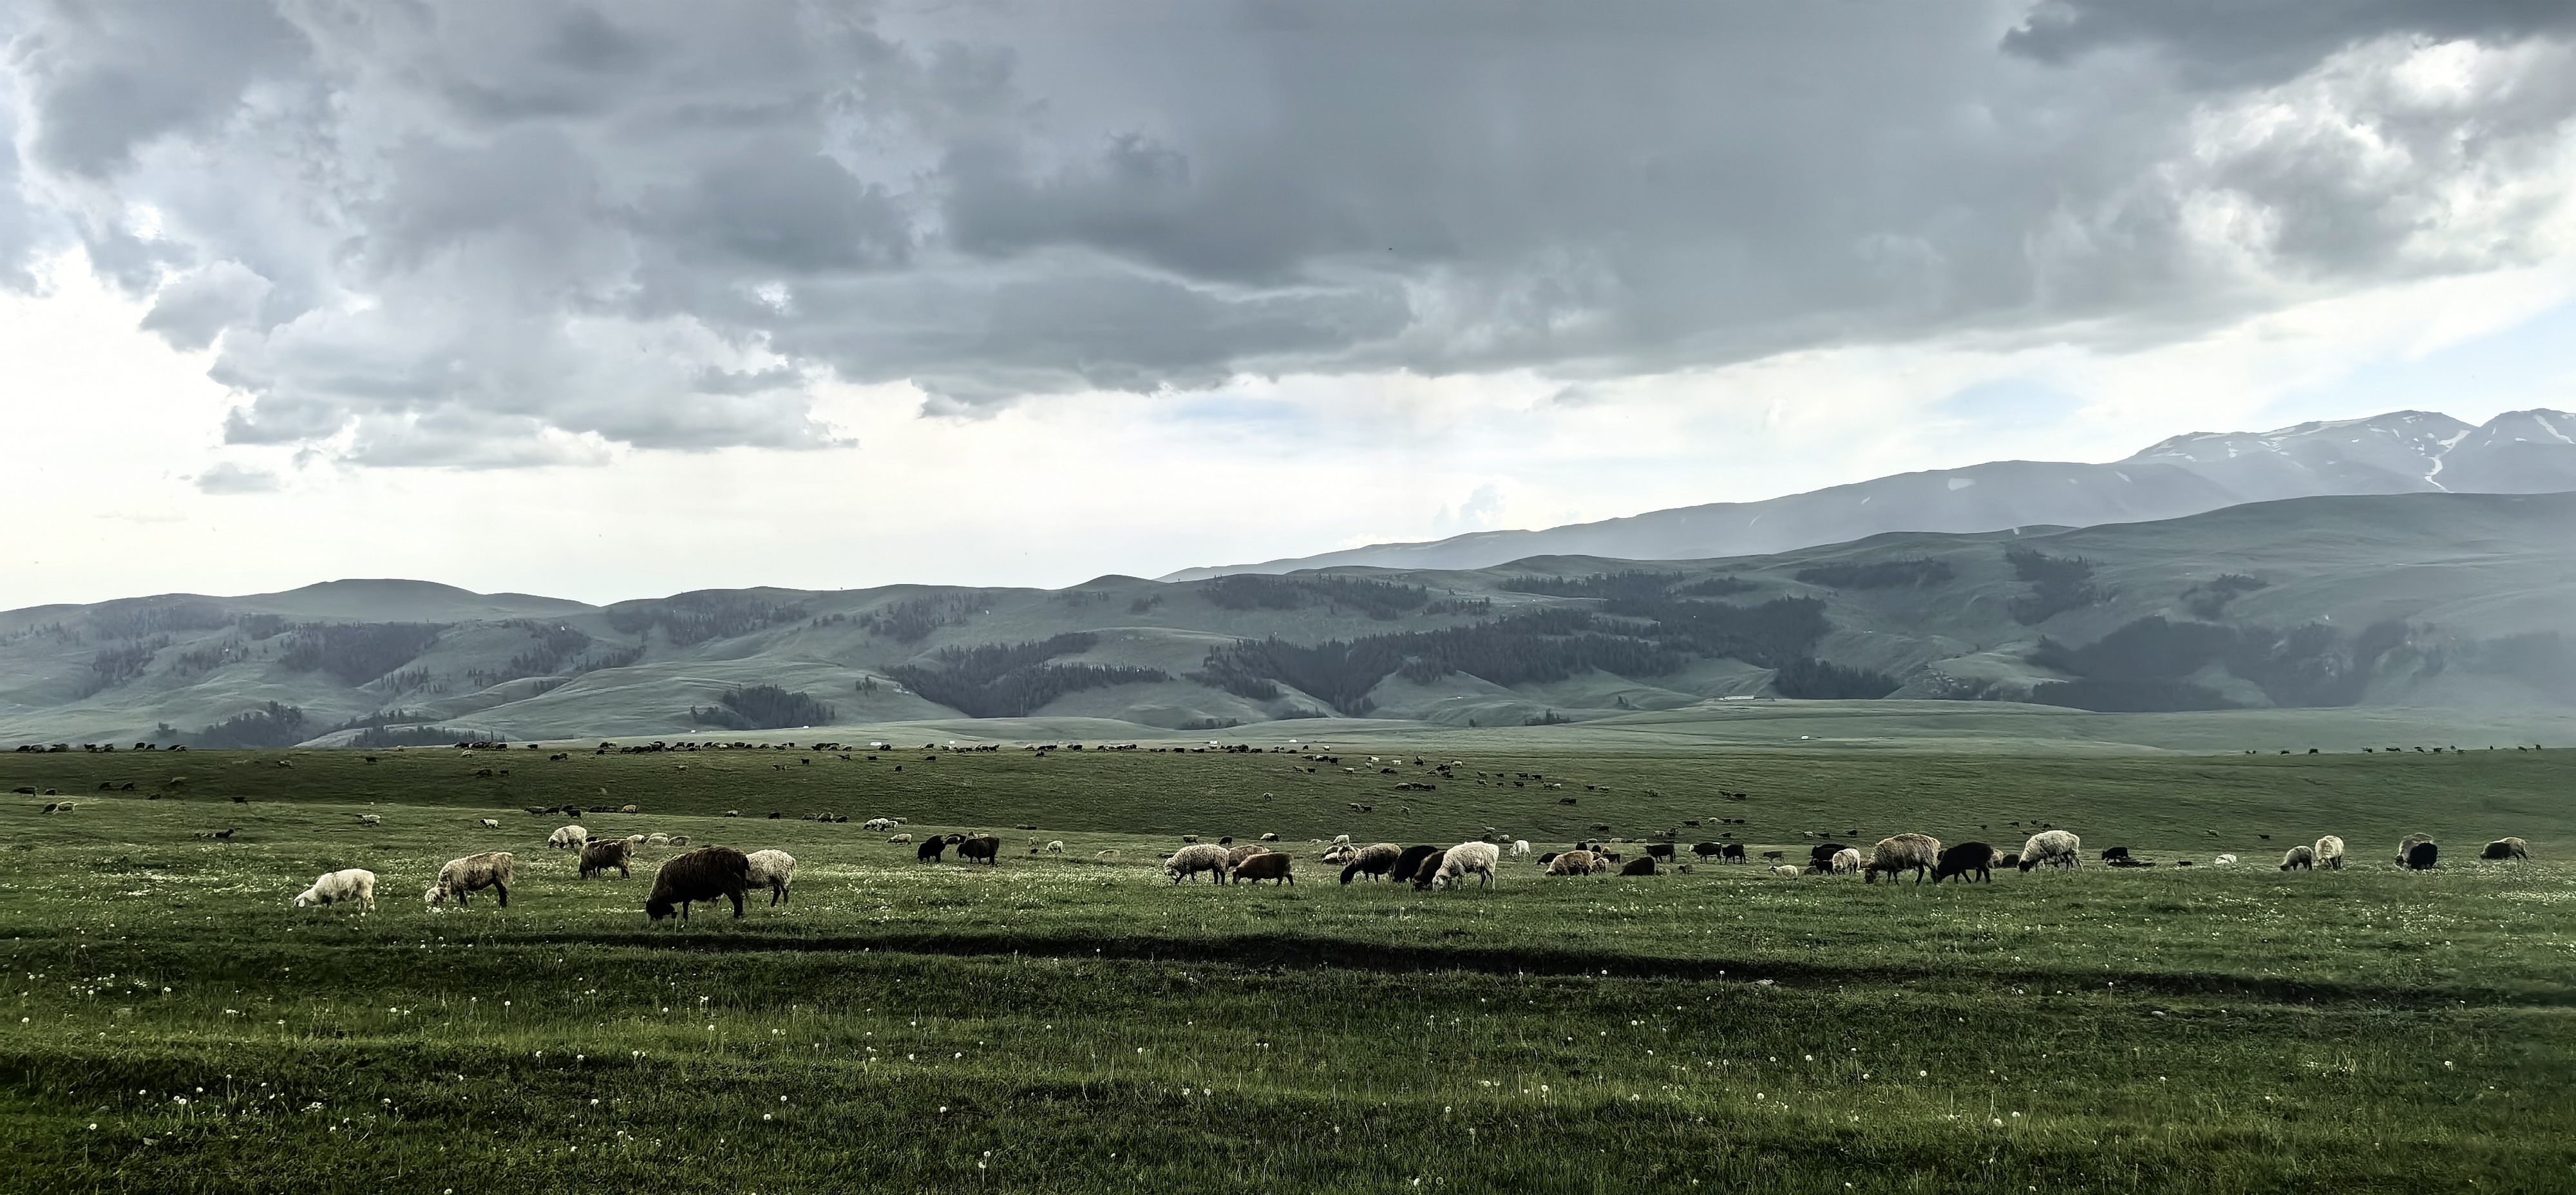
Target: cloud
x=492 y=235
x=229 y=478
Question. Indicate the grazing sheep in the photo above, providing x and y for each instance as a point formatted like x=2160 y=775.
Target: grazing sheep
x=1918 y=853
x=879 y=825
x=1576 y=863
x=1263 y=865
x=1844 y=862
x=1429 y=868
x=2422 y=856
x=2004 y=859
x=2056 y=848
x=703 y=874
x=1056 y=847
x=2406 y=846
x=1786 y=872
x=1520 y=847
x=2299 y=858
x=1191 y=860
x=569 y=838
x=899 y=840
x=1733 y=852
x=355 y=883
x=1270 y=838
x=1235 y=855
x=1643 y=865
x=2223 y=861
x=598 y=857
x=370 y=819
x=1820 y=859
x=2507 y=848
x=1111 y=853
x=2330 y=853
x=1374 y=860
x=773 y=870
x=1189 y=839
x=1964 y=858
x=1409 y=864
x=931 y=849
x=488 y=823
x=2117 y=852
x=982 y=846
x=473 y=873
x=1463 y=860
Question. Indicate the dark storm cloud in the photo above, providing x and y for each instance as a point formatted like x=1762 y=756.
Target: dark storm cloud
x=487 y=234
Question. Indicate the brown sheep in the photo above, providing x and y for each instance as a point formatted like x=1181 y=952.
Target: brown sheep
x=703 y=874
x=598 y=857
x=1918 y=853
x=1263 y=865
x=471 y=874
x=1577 y=863
x=1375 y=860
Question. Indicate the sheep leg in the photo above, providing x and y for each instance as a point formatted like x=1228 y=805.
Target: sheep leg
x=504 y=890
x=736 y=894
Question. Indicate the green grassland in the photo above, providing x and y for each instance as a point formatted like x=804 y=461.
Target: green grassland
x=1074 y=1022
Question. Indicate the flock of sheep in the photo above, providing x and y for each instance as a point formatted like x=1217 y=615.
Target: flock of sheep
x=704 y=874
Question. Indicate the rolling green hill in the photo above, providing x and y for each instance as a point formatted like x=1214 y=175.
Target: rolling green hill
x=2331 y=612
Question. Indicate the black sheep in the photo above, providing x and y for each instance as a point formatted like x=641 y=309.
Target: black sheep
x=1660 y=850
x=1410 y=862
x=931 y=849
x=983 y=847
x=1966 y=857
x=1643 y=865
x=1547 y=858
x=1427 y=868
x=1821 y=859
x=1706 y=849
x=703 y=874
x=2422 y=856
x=1733 y=852
x=2117 y=852
x=598 y=856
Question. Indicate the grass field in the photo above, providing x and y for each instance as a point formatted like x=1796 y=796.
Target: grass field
x=1075 y=1023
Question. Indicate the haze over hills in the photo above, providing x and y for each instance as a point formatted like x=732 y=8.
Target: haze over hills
x=2520 y=452
x=2460 y=601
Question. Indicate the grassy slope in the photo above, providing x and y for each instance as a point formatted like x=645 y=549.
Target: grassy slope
x=1090 y=1027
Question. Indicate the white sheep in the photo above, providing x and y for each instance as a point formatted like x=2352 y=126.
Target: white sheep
x=899 y=840
x=471 y=874
x=1056 y=847
x=355 y=883
x=488 y=823
x=1844 y=862
x=369 y=819
x=1917 y=853
x=2299 y=858
x=879 y=825
x=1787 y=872
x=1520 y=847
x=657 y=838
x=1466 y=859
x=2056 y=848
x=1191 y=860
x=2223 y=861
x=773 y=870
x=569 y=838
x=2330 y=853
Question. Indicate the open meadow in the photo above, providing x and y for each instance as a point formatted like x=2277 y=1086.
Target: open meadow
x=1073 y=1021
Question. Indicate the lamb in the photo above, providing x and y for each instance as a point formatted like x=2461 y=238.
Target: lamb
x=569 y=838
x=488 y=823
x=982 y=846
x=2406 y=846
x=2507 y=848
x=1409 y=864
x=2056 y=848
x=1056 y=847
x=1375 y=860
x=1264 y=865
x=899 y=840
x=703 y=874
x=1844 y=862
x=598 y=857
x=1821 y=858
x=1191 y=860
x=1463 y=860
x=1786 y=872
x=1520 y=847
x=1964 y=858
x=2330 y=853
x=1918 y=853
x=471 y=874
x=773 y=870
x=355 y=883
x=1577 y=863
x=2299 y=858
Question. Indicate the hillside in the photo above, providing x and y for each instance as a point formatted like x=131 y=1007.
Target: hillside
x=2460 y=602
x=2521 y=452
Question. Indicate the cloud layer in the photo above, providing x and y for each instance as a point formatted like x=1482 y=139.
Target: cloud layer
x=531 y=232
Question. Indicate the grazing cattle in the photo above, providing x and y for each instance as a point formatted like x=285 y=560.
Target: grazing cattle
x=1918 y=853
x=1961 y=860
x=1733 y=852
x=1659 y=850
x=2507 y=848
x=1707 y=849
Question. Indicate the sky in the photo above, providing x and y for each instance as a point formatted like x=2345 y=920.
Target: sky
x=612 y=300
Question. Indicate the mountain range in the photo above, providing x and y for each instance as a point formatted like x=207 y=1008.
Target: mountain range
x=2413 y=600
x=2404 y=452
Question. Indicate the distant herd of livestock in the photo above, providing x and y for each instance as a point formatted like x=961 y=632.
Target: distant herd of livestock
x=717 y=872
